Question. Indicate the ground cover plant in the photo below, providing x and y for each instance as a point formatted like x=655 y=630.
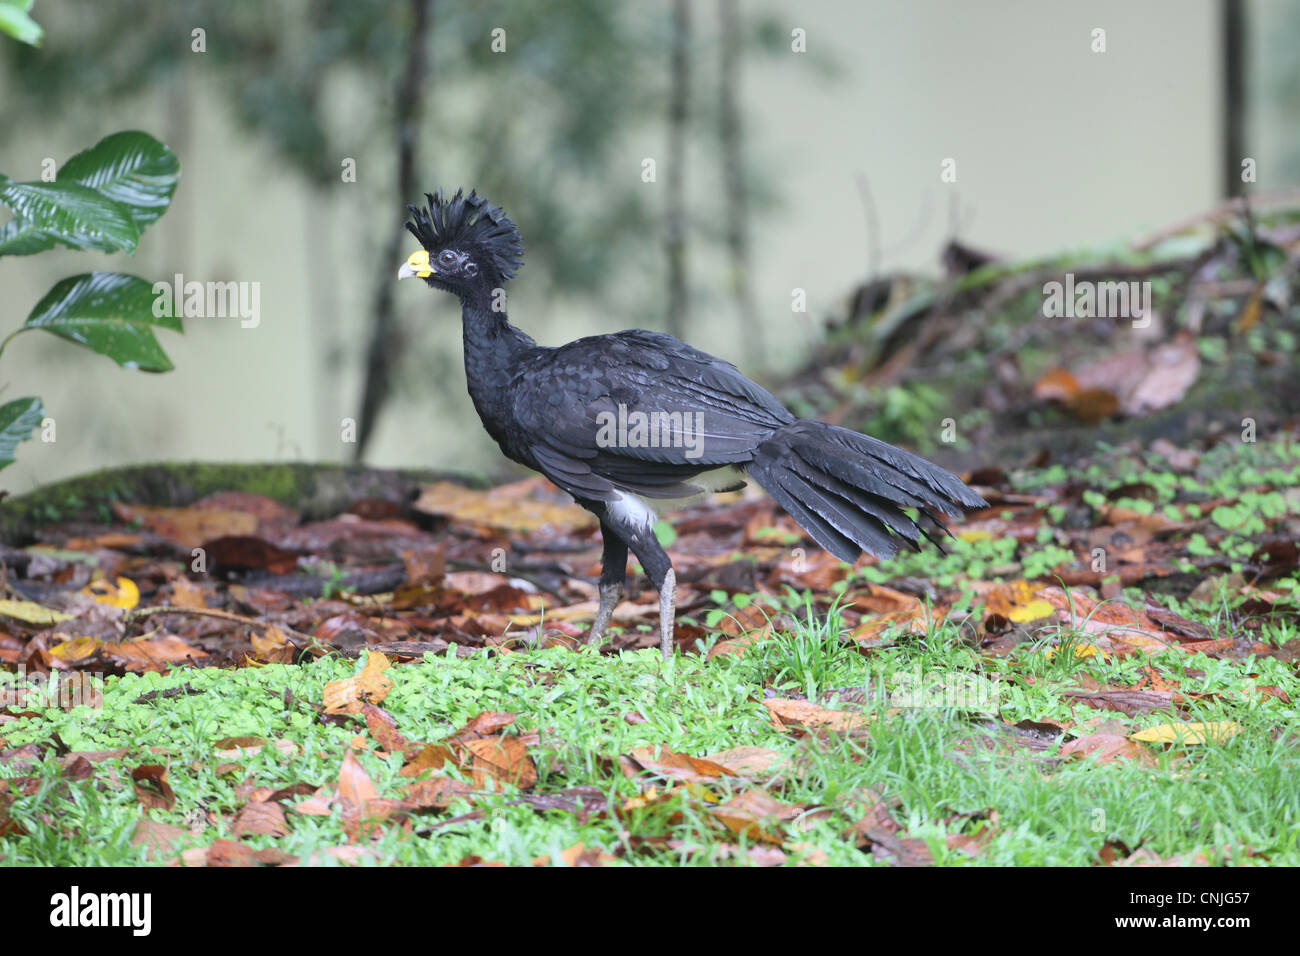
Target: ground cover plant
x=1102 y=670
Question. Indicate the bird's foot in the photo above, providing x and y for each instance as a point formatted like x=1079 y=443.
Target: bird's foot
x=610 y=595
x=667 y=614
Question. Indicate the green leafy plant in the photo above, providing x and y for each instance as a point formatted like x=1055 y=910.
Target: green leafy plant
x=101 y=198
x=908 y=413
x=16 y=21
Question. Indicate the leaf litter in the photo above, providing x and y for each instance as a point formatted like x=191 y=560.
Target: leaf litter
x=1057 y=576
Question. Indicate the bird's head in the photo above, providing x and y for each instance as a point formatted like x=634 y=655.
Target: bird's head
x=469 y=244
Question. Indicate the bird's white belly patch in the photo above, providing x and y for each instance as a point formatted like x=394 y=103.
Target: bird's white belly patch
x=644 y=512
x=633 y=510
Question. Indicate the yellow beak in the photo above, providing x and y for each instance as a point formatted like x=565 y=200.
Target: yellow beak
x=416 y=266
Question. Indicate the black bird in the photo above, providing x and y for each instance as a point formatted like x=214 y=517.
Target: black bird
x=636 y=421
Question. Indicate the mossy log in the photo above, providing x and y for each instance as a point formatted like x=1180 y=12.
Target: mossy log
x=316 y=489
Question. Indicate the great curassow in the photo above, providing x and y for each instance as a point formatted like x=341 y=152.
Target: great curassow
x=635 y=421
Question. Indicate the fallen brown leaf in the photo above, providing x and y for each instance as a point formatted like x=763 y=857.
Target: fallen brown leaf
x=497 y=760
x=431 y=757
x=355 y=785
x=747 y=761
x=260 y=819
x=372 y=685
x=752 y=813
x=803 y=714
x=436 y=792
x=1105 y=748
x=383 y=727
x=158 y=839
x=523 y=506
x=664 y=762
x=486 y=723
x=578 y=855
x=151 y=787
x=187 y=527
x=271 y=646
x=185 y=593
x=152 y=654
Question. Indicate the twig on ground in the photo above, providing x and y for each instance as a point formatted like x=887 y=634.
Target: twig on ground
x=301 y=641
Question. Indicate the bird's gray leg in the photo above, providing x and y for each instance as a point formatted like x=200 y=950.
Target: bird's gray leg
x=667 y=613
x=613 y=572
x=641 y=540
x=659 y=570
x=610 y=595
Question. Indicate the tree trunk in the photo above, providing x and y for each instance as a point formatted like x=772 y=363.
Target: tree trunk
x=675 y=174
x=731 y=134
x=385 y=337
x=1233 y=22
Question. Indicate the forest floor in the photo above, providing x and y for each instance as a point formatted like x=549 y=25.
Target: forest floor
x=1101 y=670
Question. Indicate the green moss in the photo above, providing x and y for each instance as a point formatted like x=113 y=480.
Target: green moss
x=316 y=489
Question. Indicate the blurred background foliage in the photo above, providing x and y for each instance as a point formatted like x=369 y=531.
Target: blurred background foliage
x=413 y=90
x=589 y=73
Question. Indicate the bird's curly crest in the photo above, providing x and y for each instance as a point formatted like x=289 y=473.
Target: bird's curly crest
x=468 y=220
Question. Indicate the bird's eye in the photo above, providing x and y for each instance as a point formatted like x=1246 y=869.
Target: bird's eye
x=447 y=257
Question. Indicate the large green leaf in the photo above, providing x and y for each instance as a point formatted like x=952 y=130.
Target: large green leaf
x=15 y=22
x=17 y=419
x=109 y=312
x=18 y=237
x=73 y=214
x=130 y=168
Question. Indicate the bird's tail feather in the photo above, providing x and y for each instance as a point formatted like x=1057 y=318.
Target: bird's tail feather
x=849 y=490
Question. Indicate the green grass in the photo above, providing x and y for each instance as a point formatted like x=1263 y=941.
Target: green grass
x=941 y=747
x=941 y=764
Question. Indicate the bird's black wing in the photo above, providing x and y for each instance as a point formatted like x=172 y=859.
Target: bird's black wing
x=637 y=411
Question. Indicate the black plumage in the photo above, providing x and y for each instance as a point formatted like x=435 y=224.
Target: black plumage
x=573 y=413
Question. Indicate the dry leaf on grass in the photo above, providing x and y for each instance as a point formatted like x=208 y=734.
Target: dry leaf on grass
x=1196 y=732
x=493 y=761
x=226 y=853
x=805 y=715
x=1114 y=621
x=260 y=819
x=233 y=748
x=1017 y=601
x=479 y=749
x=436 y=793
x=158 y=839
x=488 y=722
x=663 y=762
x=753 y=814
x=361 y=810
x=383 y=727
x=748 y=761
x=151 y=787
x=578 y=855
x=355 y=785
x=1125 y=700
x=1105 y=748
x=371 y=685
x=736 y=646
x=430 y=757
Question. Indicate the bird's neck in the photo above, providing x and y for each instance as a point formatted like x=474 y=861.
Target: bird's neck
x=494 y=351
